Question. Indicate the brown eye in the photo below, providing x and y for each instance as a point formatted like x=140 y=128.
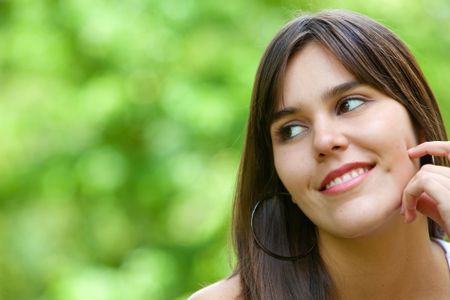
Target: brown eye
x=290 y=131
x=348 y=105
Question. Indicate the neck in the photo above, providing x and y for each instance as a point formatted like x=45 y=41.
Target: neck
x=388 y=264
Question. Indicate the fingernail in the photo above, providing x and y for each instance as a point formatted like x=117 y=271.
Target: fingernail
x=407 y=219
x=411 y=150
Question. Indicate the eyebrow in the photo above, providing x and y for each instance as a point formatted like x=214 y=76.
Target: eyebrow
x=331 y=93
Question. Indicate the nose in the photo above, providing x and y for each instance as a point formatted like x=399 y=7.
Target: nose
x=329 y=139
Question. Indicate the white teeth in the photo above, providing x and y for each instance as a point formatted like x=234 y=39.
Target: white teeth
x=346 y=177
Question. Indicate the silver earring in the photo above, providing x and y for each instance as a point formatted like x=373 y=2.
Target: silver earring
x=279 y=211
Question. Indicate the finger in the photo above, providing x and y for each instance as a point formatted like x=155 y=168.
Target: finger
x=437 y=170
x=437 y=148
x=437 y=187
x=433 y=188
x=427 y=173
x=427 y=206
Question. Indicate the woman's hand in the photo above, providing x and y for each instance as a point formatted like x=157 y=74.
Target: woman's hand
x=429 y=190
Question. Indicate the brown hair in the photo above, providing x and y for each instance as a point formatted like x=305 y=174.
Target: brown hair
x=375 y=56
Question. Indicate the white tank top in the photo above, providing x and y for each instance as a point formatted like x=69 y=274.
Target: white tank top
x=446 y=246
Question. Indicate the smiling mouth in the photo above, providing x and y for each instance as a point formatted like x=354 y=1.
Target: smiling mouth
x=347 y=180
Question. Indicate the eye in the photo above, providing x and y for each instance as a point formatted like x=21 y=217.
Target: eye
x=290 y=131
x=349 y=104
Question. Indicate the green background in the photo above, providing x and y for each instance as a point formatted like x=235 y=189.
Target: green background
x=121 y=126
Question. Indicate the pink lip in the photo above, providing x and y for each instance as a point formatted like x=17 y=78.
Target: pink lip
x=341 y=171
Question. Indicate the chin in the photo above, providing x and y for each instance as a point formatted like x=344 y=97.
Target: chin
x=361 y=223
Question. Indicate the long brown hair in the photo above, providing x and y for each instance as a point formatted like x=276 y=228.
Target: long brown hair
x=375 y=56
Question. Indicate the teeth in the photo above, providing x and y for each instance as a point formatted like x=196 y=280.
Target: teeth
x=347 y=176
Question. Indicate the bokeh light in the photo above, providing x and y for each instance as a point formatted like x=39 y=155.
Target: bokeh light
x=121 y=127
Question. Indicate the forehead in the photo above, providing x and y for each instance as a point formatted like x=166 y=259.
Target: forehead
x=310 y=73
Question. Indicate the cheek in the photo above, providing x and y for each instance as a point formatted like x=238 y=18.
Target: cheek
x=391 y=132
x=293 y=168
x=392 y=135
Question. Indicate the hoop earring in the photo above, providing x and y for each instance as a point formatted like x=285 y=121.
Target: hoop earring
x=264 y=248
x=427 y=160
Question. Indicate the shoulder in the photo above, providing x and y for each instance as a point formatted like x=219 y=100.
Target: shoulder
x=226 y=289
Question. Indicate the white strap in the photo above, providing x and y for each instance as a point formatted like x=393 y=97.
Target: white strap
x=446 y=247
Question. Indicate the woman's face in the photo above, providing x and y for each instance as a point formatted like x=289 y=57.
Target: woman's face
x=340 y=147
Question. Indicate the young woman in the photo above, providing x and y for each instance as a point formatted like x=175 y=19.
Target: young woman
x=344 y=185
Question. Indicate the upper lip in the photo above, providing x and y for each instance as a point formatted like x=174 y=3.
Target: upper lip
x=342 y=170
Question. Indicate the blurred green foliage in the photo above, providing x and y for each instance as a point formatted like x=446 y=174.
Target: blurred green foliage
x=122 y=124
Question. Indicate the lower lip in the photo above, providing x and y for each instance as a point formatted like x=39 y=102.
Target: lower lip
x=348 y=185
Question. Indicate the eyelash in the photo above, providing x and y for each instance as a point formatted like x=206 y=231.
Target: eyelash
x=347 y=100
x=285 y=132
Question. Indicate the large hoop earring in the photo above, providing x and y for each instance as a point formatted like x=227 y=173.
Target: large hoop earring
x=427 y=160
x=288 y=208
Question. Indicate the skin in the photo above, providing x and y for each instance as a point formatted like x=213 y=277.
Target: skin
x=428 y=191
x=378 y=131
x=226 y=289
x=373 y=242
x=360 y=229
